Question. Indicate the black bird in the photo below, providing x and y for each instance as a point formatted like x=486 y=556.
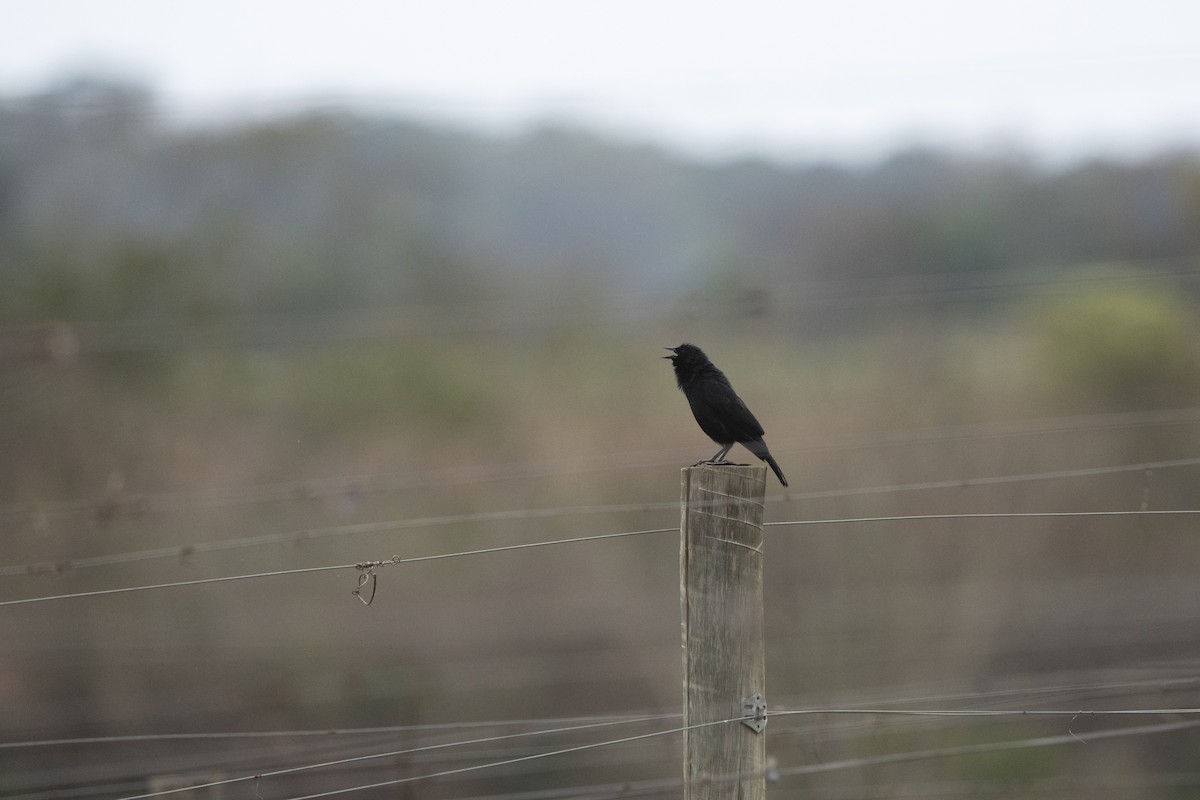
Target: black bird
x=716 y=406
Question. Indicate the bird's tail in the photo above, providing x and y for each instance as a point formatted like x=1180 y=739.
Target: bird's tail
x=759 y=448
x=778 y=472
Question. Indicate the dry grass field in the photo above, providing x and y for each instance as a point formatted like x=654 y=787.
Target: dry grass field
x=1019 y=429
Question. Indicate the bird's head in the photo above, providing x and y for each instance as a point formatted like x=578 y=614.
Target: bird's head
x=689 y=362
x=684 y=353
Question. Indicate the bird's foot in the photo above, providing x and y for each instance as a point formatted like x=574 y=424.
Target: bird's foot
x=718 y=463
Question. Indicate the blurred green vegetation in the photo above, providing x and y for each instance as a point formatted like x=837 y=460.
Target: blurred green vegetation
x=317 y=330
x=425 y=386
x=1122 y=347
x=106 y=212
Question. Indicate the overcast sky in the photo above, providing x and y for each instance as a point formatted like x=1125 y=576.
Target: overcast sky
x=845 y=78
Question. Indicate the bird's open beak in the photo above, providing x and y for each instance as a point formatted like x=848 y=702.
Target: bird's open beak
x=673 y=350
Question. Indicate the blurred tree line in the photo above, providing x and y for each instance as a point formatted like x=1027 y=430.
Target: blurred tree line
x=110 y=211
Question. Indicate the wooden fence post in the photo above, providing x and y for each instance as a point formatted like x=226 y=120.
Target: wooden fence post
x=721 y=604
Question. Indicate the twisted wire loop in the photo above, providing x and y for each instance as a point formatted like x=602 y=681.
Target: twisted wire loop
x=366 y=571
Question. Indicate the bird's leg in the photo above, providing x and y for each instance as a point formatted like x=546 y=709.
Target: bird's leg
x=718 y=458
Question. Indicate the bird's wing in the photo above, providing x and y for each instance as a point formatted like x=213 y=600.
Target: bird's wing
x=740 y=424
